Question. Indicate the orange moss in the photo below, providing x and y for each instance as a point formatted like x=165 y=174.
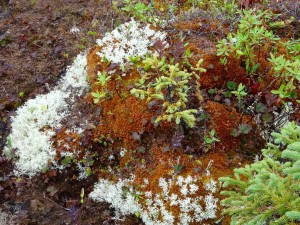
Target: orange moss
x=161 y=165
x=217 y=74
x=123 y=114
x=223 y=120
x=93 y=62
x=189 y=25
x=121 y=118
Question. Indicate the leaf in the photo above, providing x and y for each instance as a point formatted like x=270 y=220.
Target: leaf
x=177 y=50
x=240 y=52
x=231 y=85
x=211 y=91
x=244 y=128
x=293 y=215
x=177 y=119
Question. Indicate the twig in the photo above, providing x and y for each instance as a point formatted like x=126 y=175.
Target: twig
x=66 y=209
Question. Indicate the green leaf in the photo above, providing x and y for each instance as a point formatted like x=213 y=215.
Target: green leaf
x=240 y=52
x=211 y=91
x=293 y=215
x=231 y=85
x=244 y=128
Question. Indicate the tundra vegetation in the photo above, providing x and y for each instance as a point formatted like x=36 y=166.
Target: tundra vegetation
x=189 y=114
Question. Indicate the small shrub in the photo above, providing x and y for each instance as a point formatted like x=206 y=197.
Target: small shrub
x=267 y=191
x=170 y=84
x=247 y=43
x=288 y=70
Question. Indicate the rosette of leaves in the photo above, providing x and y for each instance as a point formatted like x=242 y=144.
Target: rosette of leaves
x=102 y=80
x=246 y=44
x=169 y=84
x=267 y=191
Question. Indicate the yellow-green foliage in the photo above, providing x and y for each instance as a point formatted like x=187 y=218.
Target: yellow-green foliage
x=287 y=68
x=267 y=191
x=169 y=84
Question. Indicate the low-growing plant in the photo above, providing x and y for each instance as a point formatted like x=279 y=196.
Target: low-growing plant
x=240 y=94
x=218 y=8
x=98 y=96
x=231 y=85
x=170 y=84
x=289 y=73
x=140 y=11
x=102 y=79
x=246 y=44
x=82 y=196
x=293 y=48
x=267 y=191
x=136 y=8
x=211 y=139
x=242 y=129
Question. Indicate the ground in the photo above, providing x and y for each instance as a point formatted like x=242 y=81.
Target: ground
x=39 y=32
x=37 y=44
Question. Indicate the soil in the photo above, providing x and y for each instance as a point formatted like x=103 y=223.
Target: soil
x=36 y=45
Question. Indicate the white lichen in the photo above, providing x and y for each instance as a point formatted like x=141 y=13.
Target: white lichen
x=35 y=122
x=74 y=30
x=123 y=202
x=156 y=208
x=131 y=39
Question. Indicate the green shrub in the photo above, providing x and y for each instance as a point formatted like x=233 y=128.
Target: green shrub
x=247 y=43
x=169 y=84
x=289 y=73
x=267 y=191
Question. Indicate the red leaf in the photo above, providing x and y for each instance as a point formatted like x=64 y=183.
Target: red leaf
x=255 y=88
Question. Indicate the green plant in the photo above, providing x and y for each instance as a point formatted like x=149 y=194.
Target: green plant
x=289 y=73
x=267 y=191
x=242 y=129
x=82 y=196
x=103 y=78
x=247 y=42
x=178 y=168
x=231 y=85
x=211 y=139
x=169 y=84
x=277 y=25
x=211 y=91
x=33 y=2
x=240 y=93
x=138 y=10
x=91 y=33
x=4 y=41
x=98 y=96
x=293 y=48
